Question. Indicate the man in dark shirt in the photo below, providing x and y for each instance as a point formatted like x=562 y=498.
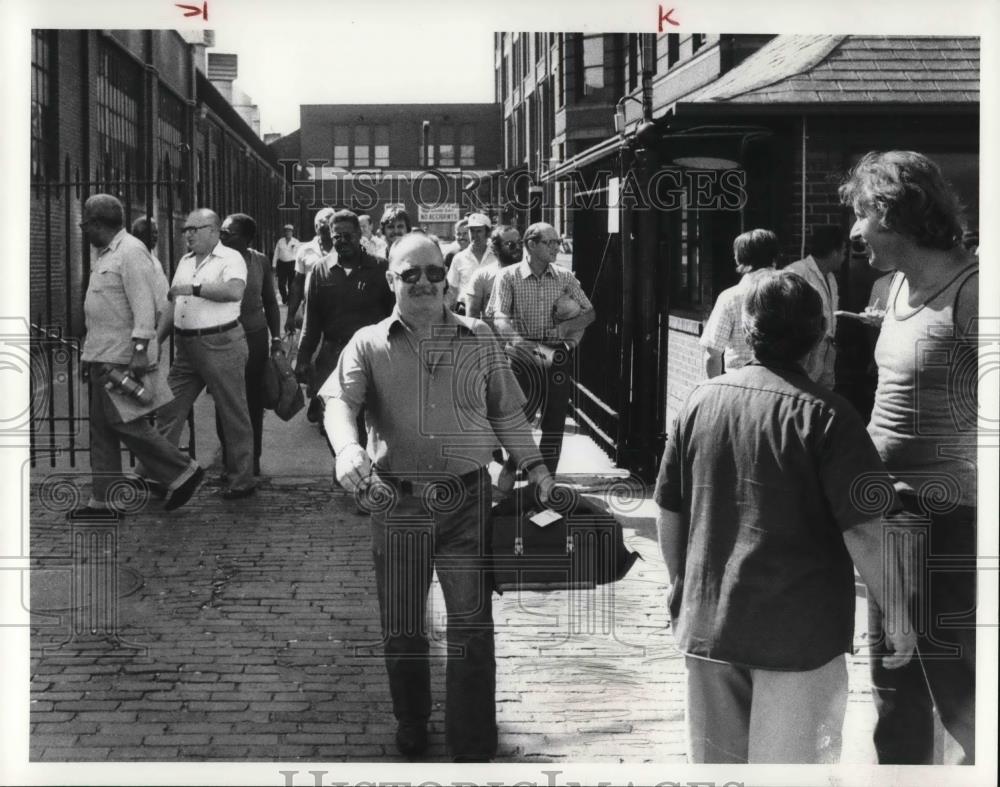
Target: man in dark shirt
x=341 y=296
x=766 y=497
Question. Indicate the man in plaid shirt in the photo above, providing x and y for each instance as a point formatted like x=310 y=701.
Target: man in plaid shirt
x=541 y=311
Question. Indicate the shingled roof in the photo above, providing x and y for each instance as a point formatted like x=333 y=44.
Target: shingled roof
x=794 y=69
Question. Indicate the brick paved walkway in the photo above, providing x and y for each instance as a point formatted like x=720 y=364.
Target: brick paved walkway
x=255 y=635
x=249 y=631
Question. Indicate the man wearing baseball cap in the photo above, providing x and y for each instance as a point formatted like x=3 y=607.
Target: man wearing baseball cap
x=283 y=261
x=477 y=255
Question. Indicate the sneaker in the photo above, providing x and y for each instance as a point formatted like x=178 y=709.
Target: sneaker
x=183 y=493
x=411 y=738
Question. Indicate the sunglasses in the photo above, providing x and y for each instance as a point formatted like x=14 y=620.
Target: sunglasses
x=434 y=274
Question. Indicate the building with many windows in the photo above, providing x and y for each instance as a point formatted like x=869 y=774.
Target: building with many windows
x=133 y=113
x=652 y=152
x=429 y=158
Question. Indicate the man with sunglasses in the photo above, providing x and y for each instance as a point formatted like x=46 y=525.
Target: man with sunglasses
x=210 y=345
x=540 y=346
x=438 y=395
x=343 y=292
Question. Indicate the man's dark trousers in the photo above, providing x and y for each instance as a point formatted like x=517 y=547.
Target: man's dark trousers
x=942 y=673
x=547 y=383
x=285 y=272
x=409 y=540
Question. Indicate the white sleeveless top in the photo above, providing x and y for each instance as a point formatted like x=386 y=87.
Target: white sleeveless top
x=925 y=415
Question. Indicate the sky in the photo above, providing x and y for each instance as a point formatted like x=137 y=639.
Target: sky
x=350 y=69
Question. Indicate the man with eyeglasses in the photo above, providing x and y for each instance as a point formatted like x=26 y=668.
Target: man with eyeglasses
x=126 y=292
x=343 y=292
x=438 y=396
x=465 y=263
x=506 y=245
x=526 y=302
x=210 y=345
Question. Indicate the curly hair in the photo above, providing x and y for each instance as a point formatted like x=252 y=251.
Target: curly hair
x=782 y=317
x=348 y=216
x=906 y=192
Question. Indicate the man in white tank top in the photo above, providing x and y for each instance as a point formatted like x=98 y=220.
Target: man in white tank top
x=924 y=427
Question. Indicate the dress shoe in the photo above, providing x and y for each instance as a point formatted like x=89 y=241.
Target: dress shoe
x=411 y=739
x=231 y=493
x=183 y=493
x=94 y=514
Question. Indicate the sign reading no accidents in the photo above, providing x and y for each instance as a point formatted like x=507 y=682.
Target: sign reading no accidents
x=439 y=213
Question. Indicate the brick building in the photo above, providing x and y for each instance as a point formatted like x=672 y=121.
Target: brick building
x=130 y=112
x=431 y=158
x=654 y=152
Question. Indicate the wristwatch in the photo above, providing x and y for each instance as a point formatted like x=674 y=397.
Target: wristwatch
x=196 y=290
x=139 y=347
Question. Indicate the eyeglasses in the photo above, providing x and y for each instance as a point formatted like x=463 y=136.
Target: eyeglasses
x=512 y=244
x=345 y=236
x=195 y=228
x=551 y=243
x=434 y=274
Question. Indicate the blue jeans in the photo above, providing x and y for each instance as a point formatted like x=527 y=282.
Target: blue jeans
x=942 y=674
x=409 y=541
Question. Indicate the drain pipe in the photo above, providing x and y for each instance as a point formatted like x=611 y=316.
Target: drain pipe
x=802 y=249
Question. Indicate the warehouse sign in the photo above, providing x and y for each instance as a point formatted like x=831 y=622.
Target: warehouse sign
x=447 y=212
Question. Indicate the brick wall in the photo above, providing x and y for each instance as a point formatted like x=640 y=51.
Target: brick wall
x=684 y=366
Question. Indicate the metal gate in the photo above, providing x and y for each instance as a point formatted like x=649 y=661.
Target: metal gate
x=59 y=270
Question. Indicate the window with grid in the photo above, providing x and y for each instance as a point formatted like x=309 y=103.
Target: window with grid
x=525 y=55
x=591 y=64
x=688 y=273
x=341 y=146
x=446 y=145
x=171 y=133
x=119 y=86
x=381 y=146
x=42 y=104
x=362 y=146
x=467 y=145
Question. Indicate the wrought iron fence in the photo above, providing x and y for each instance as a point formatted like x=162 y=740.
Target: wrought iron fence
x=59 y=271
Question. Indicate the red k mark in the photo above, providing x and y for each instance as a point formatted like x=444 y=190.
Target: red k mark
x=665 y=17
x=193 y=10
